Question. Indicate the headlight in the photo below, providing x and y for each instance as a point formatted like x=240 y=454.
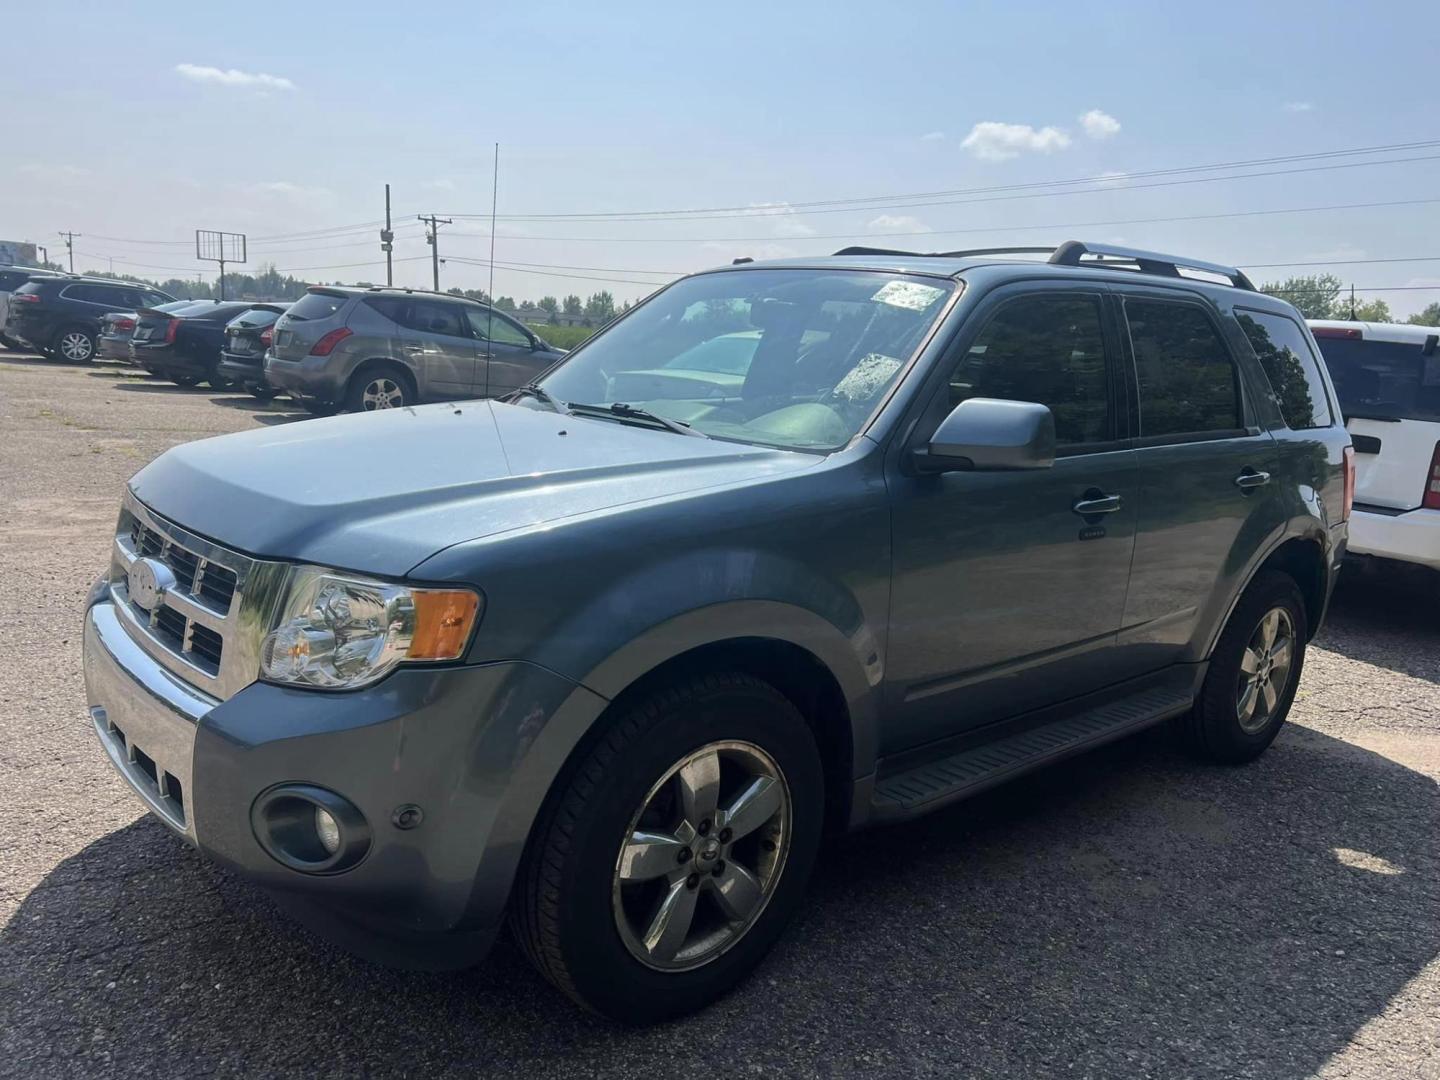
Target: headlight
x=342 y=632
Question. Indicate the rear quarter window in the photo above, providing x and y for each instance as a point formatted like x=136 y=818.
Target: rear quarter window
x=317 y=306
x=1291 y=367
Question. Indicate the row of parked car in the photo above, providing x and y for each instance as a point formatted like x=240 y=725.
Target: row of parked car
x=336 y=347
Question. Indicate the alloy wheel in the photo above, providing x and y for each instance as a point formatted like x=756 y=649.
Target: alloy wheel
x=382 y=393
x=76 y=345
x=703 y=856
x=1265 y=670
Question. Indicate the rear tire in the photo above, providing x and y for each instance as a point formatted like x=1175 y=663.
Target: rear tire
x=262 y=393
x=186 y=381
x=1253 y=674
x=590 y=918
x=380 y=386
x=11 y=344
x=74 y=344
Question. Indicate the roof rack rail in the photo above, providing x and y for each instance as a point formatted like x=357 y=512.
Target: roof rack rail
x=1150 y=262
x=1071 y=252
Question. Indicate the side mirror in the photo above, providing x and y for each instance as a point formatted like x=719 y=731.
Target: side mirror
x=990 y=434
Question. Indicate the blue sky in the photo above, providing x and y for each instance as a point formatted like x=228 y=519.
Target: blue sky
x=145 y=121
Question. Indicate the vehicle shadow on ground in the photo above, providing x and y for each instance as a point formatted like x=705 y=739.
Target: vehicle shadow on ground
x=1388 y=616
x=34 y=360
x=1126 y=913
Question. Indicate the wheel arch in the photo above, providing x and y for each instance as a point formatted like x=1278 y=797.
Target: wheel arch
x=1303 y=557
x=376 y=363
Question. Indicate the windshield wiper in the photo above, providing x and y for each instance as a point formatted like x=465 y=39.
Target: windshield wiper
x=632 y=412
x=539 y=393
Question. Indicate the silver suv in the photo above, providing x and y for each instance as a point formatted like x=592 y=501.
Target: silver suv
x=381 y=348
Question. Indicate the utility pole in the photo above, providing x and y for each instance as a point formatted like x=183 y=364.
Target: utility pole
x=432 y=237
x=387 y=242
x=70 y=247
x=44 y=254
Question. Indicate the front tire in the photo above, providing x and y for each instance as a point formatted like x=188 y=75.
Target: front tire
x=677 y=851
x=1254 y=672
x=262 y=393
x=186 y=381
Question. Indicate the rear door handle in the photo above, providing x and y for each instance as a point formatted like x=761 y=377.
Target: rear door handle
x=1098 y=504
x=1249 y=478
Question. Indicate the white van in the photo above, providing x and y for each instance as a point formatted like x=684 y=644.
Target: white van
x=1387 y=377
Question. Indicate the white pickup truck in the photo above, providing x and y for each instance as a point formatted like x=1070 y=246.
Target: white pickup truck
x=1387 y=376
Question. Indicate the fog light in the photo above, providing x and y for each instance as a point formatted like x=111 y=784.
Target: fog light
x=310 y=829
x=328 y=829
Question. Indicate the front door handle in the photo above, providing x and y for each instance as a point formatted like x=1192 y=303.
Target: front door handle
x=414 y=350
x=1096 y=504
x=1249 y=479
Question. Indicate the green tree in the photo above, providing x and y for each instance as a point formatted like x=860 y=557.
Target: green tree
x=1428 y=317
x=601 y=306
x=573 y=306
x=1366 y=311
x=1315 y=295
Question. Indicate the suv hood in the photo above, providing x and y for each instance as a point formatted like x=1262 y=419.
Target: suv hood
x=381 y=492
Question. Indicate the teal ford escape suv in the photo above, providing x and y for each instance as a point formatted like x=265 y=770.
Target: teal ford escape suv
x=611 y=655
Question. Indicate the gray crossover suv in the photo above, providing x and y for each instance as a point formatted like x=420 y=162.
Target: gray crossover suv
x=382 y=348
x=792 y=547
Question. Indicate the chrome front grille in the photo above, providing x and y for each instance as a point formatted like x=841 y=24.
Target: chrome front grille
x=207 y=626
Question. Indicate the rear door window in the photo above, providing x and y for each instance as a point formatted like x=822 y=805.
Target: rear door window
x=435 y=317
x=1384 y=380
x=1291 y=367
x=1189 y=385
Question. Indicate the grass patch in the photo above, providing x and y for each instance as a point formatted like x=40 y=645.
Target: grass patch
x=562 y=337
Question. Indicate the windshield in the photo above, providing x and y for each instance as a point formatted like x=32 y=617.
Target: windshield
x=790 y=358
x=1388 y=380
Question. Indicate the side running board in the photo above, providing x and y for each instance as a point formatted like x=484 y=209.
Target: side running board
x=929 y=785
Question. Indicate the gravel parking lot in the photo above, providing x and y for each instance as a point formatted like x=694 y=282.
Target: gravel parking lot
x=1129 y=913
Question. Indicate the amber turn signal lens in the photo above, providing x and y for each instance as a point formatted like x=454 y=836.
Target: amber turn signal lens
x=443 y=621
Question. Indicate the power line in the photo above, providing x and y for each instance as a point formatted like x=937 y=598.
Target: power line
x=779 y=212
x=785 y=207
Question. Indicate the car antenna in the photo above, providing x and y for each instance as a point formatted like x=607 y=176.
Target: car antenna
x=494 y=202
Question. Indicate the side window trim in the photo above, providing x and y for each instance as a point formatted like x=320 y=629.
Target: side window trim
x=1125 y=293
x=981 y=319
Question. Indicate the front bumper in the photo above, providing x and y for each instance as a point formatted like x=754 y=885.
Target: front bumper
x=1412 y=536
x=459 y=742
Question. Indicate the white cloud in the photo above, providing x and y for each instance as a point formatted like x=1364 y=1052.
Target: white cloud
x=787 y=225
x=1298 y=106
x=289 y=190
x=1099 y=125
x=991 y=140
x=898 y=223
x=933 y=136
x=250 y=80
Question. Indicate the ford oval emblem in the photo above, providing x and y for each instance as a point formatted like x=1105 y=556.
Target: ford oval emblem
x=148 y=581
